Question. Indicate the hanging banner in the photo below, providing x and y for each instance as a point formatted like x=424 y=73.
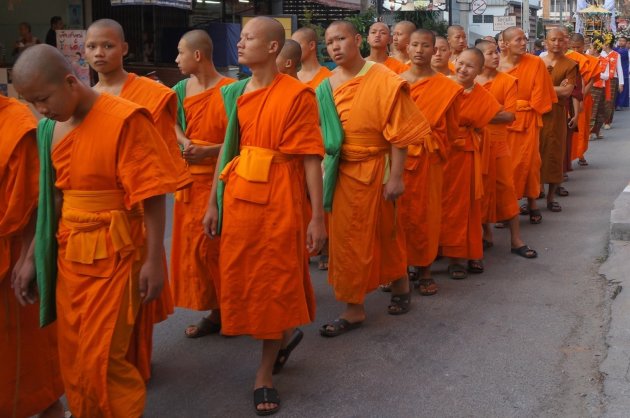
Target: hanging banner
x=71 y=43
x=180 y=4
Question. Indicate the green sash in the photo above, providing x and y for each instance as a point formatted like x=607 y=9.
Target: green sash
x=332 y=132
x=231 y=145
x=45 y=239
x=180 y=91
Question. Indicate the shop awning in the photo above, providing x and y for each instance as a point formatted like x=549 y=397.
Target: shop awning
x=343 y=4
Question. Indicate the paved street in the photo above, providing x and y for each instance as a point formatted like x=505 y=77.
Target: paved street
x=522 y=340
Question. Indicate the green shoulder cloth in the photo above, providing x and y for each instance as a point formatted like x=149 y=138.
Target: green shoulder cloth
x=332 y=132
x=180 y=91
x=45 y=239
x=231 y=144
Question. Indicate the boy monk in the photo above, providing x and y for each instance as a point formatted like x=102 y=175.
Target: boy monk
x=534 y=98
x=401 y=36
x=30 y=380
x=438 y=98
x=457 y=41
x=201 y=129
x=288 y=60
x=272 y=154
x=441 y=59
x=379 y=38
x=461 y=235
x=553 y=135
x=105 y=174
x=499 y=203
x=105 y=48
x=375 y=121
x=311 y=72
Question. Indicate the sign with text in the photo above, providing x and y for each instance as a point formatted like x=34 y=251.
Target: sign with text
x=180 y=4
x=71 y=43
x=478 y=7
x=501 y=23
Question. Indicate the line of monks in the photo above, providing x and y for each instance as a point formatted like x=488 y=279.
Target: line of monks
x=421 y=153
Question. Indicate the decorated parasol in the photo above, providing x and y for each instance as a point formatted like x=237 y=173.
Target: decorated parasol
x=594 y=18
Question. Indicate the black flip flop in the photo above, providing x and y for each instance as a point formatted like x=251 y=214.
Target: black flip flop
x=457 y=268
x=266 y=395
x=524 y=252
x=204 y=327
x=339 y=326
x=562 y=192
x=535 y=217
x=284 y=353
x=554 y=206
x=399 y=304
x=475 y=266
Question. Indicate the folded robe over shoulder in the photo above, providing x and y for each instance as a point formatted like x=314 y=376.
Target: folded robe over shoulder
x=322 y=74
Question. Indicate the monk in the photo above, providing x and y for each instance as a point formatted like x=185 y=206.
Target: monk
x=534 y=98
x=271 y=156
x=374 y=122
x=457 y=41
x=311 y=72
x=105 y=174
x=379 y=38
x=503 y=51
x=200 y=132
x=438 y=98
x=441 y=59
x=30 y=380
x=461 y=234
x=601 y=88
x=553 y=135
x=288 y=60
x=401 y=35
x=105 y=48
x=499 y=203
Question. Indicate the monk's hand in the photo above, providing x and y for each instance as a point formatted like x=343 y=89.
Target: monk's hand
x=151 y=280
x=23 y=282
x=573 y=122
x=564 y=83
x=620 y=88
x=315 y=235
x=393 y=188
x=210 y=221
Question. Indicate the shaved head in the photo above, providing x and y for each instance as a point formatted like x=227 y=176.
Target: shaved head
x=273 y=30
x=346 y=25
x=511 y=32
x=41 y=63
x=556 y=31
x=108 y=24
x=476 y=54
x=577 y=37
x=308 y=34
x=484 y=45
x=199 y=40
x=291 y=51
x=375 y=24
x=405 y=26
x=426 y=32
x=454 y=29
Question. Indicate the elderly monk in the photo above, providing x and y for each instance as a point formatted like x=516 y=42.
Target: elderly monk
x=105 y=48
x=379 y=38
x=461 y=234
x=499 y=203
x=311 y=72
x=271 y=156
x=201 y=129
x=553 y=135
x=374 y=122
x=534 y=98
x=105 y=174
x=30 y=380
x=440 y=62
x=401 y=36
x=438 y=98
x=288 y=60
x=457 y=41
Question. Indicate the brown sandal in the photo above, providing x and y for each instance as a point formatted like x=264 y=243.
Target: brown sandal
x=427 y=287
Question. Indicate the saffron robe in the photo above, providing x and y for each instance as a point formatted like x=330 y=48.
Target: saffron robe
x=105 y=168
x=590 y=72
x=499 y=201
x=194 y=256
x=534 y=98
x=461 y=233
x=30 y=379
x=438 y=98
x=395 y=65
x=321 y=75
x=553 y=134
x=265 y=285
x=366 y=239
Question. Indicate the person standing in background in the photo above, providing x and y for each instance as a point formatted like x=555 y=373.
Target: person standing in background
x=26 y=39
x=623 y=99
x=56 y=23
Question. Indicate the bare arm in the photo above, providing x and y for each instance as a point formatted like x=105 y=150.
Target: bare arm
x=152 y=272
x=587 y=87
x=316 y=232
x=503 y=117
x=395 y=186
x=576 y=112
x=564 y=91
x=23 y=276
x=211 y=218
x=181 y=136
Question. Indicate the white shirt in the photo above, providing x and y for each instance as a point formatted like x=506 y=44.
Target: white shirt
x=619 y=72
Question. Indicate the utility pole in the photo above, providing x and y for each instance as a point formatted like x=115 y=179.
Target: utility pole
x=525 y=17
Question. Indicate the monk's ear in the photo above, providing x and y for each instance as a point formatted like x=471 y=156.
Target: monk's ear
x=358 y=39
x=288 y=64
x=125 y=49
x=312 y=45
x=197 y=55
x=274 y=47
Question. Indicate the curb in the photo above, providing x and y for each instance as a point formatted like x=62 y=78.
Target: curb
x=620 y=217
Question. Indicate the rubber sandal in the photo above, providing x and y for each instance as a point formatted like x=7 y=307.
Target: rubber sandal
x=562 y=192
x=486 y=244
x=427 y=287
x=524 y=209
x=457 y=272
x=266 y=395
x=535 y=217
x=582 y=163
x=204 y=327
x=500 y=225
x=386 y=287
x=554 y=206
x=475 y=266
x=284 y=353
x=339 y=326
x=414 y=275
x=323 y=263
x=399 y=304
x=542 y=195
x=524 y=252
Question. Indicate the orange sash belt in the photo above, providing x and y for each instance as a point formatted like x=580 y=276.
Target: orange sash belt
x=523 y=106
x=254 y=163
x=205 y=167
x=475 y=141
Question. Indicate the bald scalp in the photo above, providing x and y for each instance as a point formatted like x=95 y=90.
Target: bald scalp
x=483 y=45
x=426 y=32
x=292 y=51
x=511 y=32
x=347 y=26
x=405 y=26
x=379 y=23
x=577 y=37
x=108 y=24
x=555 y=31
x=199 y=40
x=476 y=53
x=454 y=29
x=41 y=62
x=441 y=38
x=308 y=33
x=273 y=30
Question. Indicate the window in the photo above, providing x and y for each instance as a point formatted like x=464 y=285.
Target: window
x=488 y=19
x=477 y=18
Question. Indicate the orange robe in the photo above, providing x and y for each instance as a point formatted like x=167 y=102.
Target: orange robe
x=589 y=69
x=461 y=196
x=194 y=256
x=30 y=379
x=438 y=98
x=499 y=201
x=367 y=245
x=321 y=75
x=105 y=168
x=162 y=103
x=534 y=98
x=451 y=66
x=265 y=282
x=395 y=65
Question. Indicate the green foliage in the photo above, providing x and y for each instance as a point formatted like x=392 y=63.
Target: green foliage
x=426 y=19
x=307 y=22
x=362 y=22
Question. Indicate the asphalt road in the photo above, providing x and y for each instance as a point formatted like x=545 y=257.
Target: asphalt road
x=523 y=339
